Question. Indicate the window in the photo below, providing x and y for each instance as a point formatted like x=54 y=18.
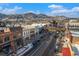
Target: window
x=24 y=33
x=0 y=43
x=7 y=46
x=19 y=43
x=0 y=39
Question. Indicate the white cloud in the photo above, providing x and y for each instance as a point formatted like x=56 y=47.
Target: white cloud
x=55 y=6
x=36 y=12
x=17 y=8
x=62 y=11
x=10 y=10
x=29 y=12
x=75 y=9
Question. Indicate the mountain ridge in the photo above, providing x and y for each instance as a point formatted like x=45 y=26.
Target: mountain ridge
x=31 y=16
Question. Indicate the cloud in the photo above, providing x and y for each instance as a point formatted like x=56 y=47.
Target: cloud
x=17 y=8
x=62 y=11
x=10 y=10
x=30 y=11
x=55 y=6
x=36 y=12
x=76 y=9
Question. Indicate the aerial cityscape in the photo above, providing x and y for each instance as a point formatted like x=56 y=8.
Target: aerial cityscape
x=39 y=29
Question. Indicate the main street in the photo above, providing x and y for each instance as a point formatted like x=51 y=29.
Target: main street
x=47 y=43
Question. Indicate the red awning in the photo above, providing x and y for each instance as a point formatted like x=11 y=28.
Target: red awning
x=66 y=51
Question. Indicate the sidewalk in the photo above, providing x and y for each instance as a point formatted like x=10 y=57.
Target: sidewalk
x=66 y=49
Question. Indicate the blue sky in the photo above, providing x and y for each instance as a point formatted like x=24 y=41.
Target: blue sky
x=54 y=9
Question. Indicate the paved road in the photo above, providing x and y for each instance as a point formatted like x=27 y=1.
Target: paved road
x=36 y=48
x=52 y=46
x=40 y=49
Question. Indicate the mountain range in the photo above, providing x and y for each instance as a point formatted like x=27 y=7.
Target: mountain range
x=31 y=16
